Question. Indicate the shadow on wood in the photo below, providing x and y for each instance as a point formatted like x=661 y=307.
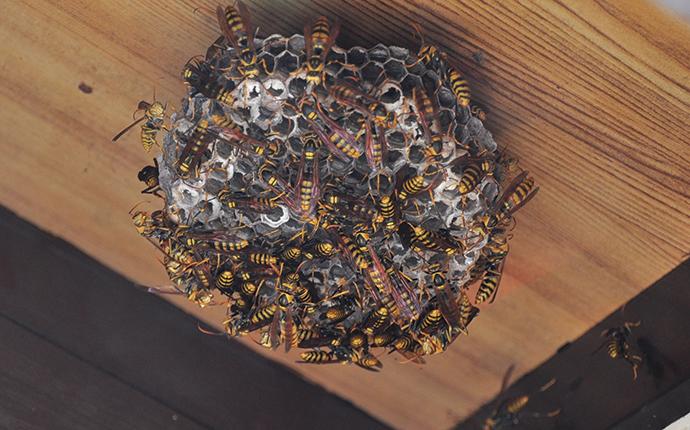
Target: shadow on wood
x=83 y=349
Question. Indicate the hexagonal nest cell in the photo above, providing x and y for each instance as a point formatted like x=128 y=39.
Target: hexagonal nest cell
x=340 y=201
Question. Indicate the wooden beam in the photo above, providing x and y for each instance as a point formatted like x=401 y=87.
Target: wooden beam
x=592 y=95
x=596 y=392
x=44 y=386
x=84 y=349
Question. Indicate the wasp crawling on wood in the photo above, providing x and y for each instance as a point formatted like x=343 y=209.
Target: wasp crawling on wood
x=618 y=346
x=154 y=114
x=511 y=411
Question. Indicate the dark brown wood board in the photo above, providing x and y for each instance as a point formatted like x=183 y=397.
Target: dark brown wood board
x=593 y=391
x=592 y=95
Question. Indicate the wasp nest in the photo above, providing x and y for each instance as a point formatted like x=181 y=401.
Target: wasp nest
x=337 y=200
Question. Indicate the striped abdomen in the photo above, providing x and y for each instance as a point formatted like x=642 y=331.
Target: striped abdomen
x=460 y=87
x=262 y=258
x=411 y=186
x=431 y=321
x=387 y=212
x=224 y=280
x=228 y=245
x=344 y=146
x=317 y=357
x=470 y=179
x=264 y=314
x=148 y=136
x=488 y=286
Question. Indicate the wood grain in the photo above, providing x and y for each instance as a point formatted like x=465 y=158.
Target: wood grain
x=593 y=96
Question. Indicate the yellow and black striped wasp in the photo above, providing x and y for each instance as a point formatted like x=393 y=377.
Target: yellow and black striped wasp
x=154 y=114
x=149 y=176
x=618 y=345
x=307 y=188
x=511 y=410
x=319 y=37
x=235 y=24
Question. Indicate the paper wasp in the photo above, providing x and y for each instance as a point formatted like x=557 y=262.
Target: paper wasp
x=618 y=345
x=319 y=37
x=511 y=410
x=235 y=24
x=149 y=176
x=154 y=114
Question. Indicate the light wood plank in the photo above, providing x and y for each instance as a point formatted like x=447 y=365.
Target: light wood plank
x=592 y=95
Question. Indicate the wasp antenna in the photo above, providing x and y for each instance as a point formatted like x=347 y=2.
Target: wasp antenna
x=208 y=332
x=135 y=206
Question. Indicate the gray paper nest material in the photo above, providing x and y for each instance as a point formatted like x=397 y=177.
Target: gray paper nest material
x=262 y=109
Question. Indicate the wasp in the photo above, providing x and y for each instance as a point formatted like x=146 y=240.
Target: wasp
x=242 y=202
x=198 y=75
x=426 y=111
x=472 y=176
x=434 y=147
x=154 y=114
x=338 y=141
x=149 y=176
x=418 y=238
x=283 y=190
x=509 y=411
x=307 y=188
x=445 y=299
x=428 y=55
x=318 y=357
x=263 y=316
x=307 y=338
x=431 y=321
x=150 y=225
x=283 y=327
x=263 y=259
x=318 y=39
x=467 y=311
x=369 y=362
x=415 y=184
x=388 y=213
x=618 y=345
x=350 y=207
x=225 y=280
x=291 y=253
x=353 y=252
x=325 y=249
x=490 y=282
x=516 y=195
x=221 y=242
x=338 y=313
x=377 y=320
x=459 y=86
x=376 y=112
x=243 y=141
x=406 y=346
x=405 y=299
x=382 y=339
x=201 y=297
x=194 y=149
x=235 y=24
